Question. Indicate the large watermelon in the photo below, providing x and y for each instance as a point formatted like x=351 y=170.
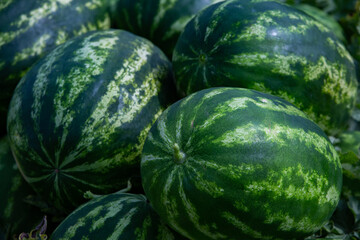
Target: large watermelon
x=114 y=216
x=270 y=47
x=79 y=117
x=233 y=163
x=16 y=215
x=31 y=28
x=157 y=20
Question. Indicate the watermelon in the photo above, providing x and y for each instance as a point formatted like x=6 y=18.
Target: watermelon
x=157 y=20
x=16 y=215
x=29 y=29
x=273 y=48
x=324 y=18
x=114 y=216
x=79 y=118
x=235 y=163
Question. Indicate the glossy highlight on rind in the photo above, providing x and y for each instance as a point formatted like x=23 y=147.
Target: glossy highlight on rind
x=114 y=216
x=273 y=48
x=254 y=167
x=79 y=118
x=31 y=29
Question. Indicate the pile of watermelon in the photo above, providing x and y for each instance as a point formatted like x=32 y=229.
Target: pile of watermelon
x=179 y=119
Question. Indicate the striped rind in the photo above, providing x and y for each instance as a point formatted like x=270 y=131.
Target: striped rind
x=160 y=21
x=16 y=215
x=326 y=19
x=114 y=216
x=273 y=48
x=31 y=29
x=79 y=118
x=254 y=167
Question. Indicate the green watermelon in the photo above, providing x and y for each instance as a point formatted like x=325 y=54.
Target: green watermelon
x=31 y=28
x=114 y=216
x=235 y=163
x=79 y=117
x=157 y=20
x=324 y=18
x=273 y=48
x=16 y=216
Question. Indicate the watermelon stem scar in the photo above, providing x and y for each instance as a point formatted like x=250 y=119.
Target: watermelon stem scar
x=179 y=156
x=202 y=58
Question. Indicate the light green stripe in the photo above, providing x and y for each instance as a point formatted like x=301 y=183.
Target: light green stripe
x=122 y=224
x=203 y=185
x=100 y=166
x=290 y=224
x=164 y=147
x=281 y=135
x=233 y=220
x=125 y=157
x=280 y=64
x=255 y=31
x=112 y=209
x=17 y=132
x=40 y=89
x=42 y=81
x=77 y=79
x=170 y=204
x=224 y=40
x=232 y=171
x=5 y=3
x=36 y=179
x=176 y=27
x=141 y=232
x=215 y=19
x=211 y=94
x=179 y=127
x=308 y=21
x=258 y=30
x=335 y=83
x=191 y=211
x=36 y=50
x=312 y=187
x=81 y=222
x=26 y=21
x=57 y=188
x=164 y=6
x=239 y=103
x=62 y=36
x=87 y=183
x=134 y=101
x=158 y=173
x=151 y=158
x=94 y=4
x=104 y=23
x=164 y=135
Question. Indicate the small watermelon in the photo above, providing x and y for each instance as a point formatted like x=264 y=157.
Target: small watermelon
x=79 y=117
x=234 y=163
x=117 y=216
